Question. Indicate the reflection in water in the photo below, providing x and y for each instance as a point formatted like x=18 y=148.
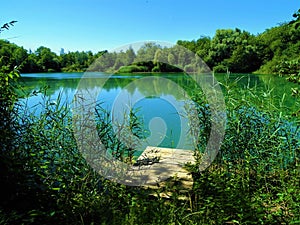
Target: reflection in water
x=160 y=98
x=160 y=101
x=162 y=113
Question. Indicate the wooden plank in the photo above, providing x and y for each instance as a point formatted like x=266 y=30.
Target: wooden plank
x=167 y=171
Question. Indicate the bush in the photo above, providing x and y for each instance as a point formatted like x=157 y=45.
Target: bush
x=220 y=69
x=132 y=69
x=156 y=69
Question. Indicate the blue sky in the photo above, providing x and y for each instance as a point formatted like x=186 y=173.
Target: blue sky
x=107 y=24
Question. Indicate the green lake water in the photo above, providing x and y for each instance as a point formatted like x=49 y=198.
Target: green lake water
x=159 y=98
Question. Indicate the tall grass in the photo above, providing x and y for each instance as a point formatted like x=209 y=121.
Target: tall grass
x=254 y=180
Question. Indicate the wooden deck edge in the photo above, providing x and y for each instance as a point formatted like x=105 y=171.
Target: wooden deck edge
x=168 y=172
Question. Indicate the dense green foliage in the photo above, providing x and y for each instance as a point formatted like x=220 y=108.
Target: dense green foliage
x=43 y=59
x=253 y=180
x=231 y=50
x=240 y=51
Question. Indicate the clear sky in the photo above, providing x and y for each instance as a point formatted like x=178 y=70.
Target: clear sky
x=107 y=24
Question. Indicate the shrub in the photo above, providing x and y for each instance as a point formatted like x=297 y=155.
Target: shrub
x=132 y=69
x=220 y=69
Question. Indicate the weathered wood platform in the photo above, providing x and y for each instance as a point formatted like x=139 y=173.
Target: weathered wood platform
x=169 y=170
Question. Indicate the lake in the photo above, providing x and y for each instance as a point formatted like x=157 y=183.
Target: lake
x=159 y=99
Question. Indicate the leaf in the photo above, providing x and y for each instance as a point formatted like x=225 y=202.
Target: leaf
x=12 y=22
x=5 y=26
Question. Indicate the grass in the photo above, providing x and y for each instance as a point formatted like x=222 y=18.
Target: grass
x=254 y=179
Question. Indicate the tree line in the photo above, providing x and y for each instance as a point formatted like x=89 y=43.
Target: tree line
x=273 y=51
x=43 y=59
x=276 y=50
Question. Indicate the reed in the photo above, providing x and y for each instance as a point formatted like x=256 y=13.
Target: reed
x=254 y=179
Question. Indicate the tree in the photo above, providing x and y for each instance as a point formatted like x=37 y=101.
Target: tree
x=203 y=47
x=19 y=55
x=129 y=56
x=171 y=59
x=147 y=52
x=30 y=64
x=296 y=22
x=223 y=44
x=47 y=59
x=244 y=59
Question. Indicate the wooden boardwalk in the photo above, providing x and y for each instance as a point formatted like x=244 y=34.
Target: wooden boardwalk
x=169 y=170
